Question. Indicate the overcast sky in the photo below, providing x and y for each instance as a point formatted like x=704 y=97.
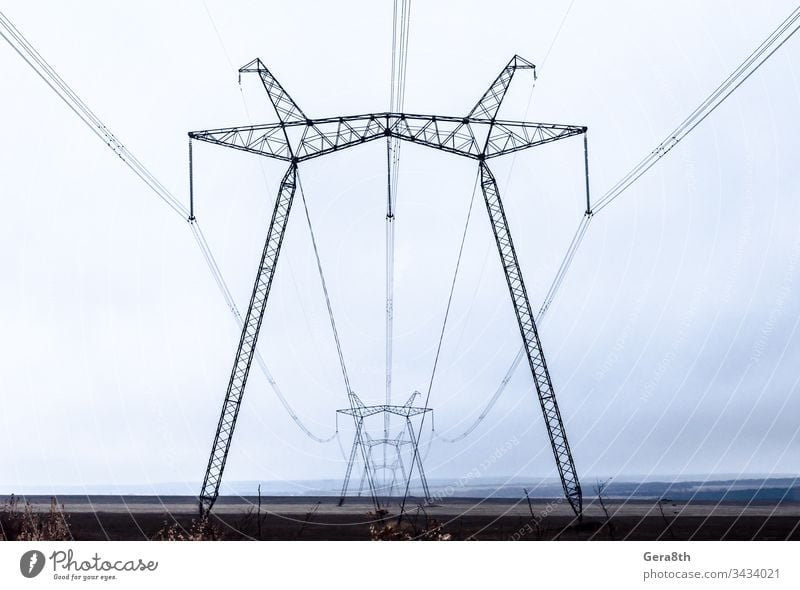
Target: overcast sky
x=673 y=344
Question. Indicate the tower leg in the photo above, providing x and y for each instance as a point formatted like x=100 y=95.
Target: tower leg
x=390 y=487
x=351 y=461
x=247 y=341
x=530 y=337
x=372 y=474
x=418 y=459
x=401 y=464
x=363 y=479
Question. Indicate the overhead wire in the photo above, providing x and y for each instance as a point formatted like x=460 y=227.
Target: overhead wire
x=220 y=280
x=237 y=317
x=754 y=61
x=47 y=73
x=324 y=283
x=746 y=69
x=749 y=66
x=556 y=283
x=335 y=331
x=441 y=340
x=400 y=31
x=552 y=291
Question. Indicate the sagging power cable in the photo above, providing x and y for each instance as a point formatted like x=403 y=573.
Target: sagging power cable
x=211 y=262
x=748 y=67
x=325 y=292
x=556 y=281
x=215 y=269
x=439 y=344
x=46 y=72
x=566 y=262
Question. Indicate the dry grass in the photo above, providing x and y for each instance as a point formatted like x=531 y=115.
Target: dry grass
x=19 y=522
x=201 y=529
x=385 y=528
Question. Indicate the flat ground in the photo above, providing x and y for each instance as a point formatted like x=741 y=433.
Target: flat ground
x=320 y=518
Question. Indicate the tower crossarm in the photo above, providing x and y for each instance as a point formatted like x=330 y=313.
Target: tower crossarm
x=462 y=136
x=365 y=411
x=507 y=137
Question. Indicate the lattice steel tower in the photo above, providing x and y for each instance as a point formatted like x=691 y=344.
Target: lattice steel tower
x=478 y=135
x=363 y=443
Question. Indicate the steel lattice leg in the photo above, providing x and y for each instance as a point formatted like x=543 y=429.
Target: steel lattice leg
x=530 y=337
x=247 y=342
x=351 y=461
x=400 y=462
x=418 y=458
x=364 y=474
x=371 y=475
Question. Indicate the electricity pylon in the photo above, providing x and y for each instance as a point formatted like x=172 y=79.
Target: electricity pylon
x=479 y=135
x=364 y=443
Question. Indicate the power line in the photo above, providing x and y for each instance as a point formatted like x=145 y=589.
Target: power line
x=521 y=352
x=752 y=63
x=218 y=276
x=746 y=69
x=400 y=17
x=328 y=304
x=552 y=291
x=43 y=69
x=441 y=339
x=46 y=72
x=237 y=316
x=742 y=73
x=400 y=31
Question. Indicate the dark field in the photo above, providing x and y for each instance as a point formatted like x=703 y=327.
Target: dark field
x=310 y=518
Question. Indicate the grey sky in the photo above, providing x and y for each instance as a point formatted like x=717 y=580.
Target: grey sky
x=673 y=344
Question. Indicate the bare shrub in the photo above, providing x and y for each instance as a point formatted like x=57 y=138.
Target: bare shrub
x=381 y=528
x=253 y=520
x=20 y=522
x=309 y=515
x=201 y=529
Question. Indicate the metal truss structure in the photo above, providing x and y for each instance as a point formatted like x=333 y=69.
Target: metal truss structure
x=391 y=462
x=364 y=442
x=295 y=138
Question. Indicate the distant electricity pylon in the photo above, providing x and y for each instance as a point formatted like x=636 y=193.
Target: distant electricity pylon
x=364 y=443
x=296 y=138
